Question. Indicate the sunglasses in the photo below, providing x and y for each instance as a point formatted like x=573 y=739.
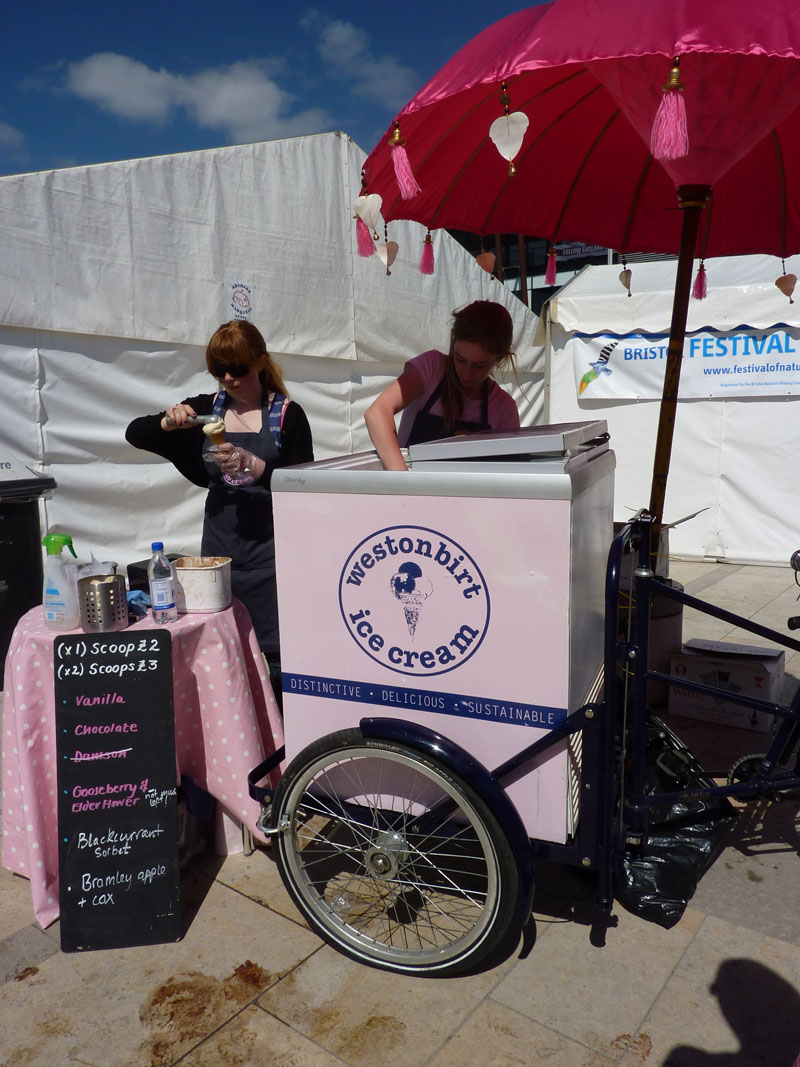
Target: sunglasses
x=236 y=370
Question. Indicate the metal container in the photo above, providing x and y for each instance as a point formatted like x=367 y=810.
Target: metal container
x=103 y=603
x=202 y=583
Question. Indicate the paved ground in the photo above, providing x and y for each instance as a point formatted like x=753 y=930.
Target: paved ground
x=250 y=984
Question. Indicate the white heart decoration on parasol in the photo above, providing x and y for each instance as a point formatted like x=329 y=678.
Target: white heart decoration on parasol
x=387 y=252
x=508 y=133
x=368 y=209
x=786 y=283
x=486 y=260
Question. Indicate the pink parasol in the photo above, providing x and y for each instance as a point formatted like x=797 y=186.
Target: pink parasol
x=584 y=95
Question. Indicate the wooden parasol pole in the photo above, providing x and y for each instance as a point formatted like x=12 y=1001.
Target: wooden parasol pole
x=692 y=200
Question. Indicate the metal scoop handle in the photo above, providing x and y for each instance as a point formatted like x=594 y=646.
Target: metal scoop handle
x=195 y=420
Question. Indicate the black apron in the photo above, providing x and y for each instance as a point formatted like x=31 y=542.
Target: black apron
x=427 y=427
x=238 y=523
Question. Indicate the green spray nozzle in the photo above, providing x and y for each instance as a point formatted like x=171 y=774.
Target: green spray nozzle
x=56 y=543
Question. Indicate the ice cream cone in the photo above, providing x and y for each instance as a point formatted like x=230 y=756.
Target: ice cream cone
x=215 y=432
x=412 y=602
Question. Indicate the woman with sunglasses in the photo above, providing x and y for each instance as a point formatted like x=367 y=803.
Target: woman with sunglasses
x=445 y=395
x=263 y=430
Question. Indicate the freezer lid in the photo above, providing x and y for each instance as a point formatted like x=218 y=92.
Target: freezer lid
x=557 y=439
x=21 y=483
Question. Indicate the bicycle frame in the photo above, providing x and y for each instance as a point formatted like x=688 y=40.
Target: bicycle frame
x=615 y=810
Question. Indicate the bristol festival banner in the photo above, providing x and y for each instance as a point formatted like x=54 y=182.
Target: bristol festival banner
x=745 y=363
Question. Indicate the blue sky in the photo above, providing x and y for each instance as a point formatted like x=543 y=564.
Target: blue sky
x=87 y=82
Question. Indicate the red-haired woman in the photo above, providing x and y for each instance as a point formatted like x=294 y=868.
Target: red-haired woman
x=264 y=430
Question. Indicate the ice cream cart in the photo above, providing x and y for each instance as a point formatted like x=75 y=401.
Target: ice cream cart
x=444 y=637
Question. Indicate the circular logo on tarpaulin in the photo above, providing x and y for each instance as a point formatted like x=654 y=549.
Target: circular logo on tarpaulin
x=241 y=301
x=414 y=600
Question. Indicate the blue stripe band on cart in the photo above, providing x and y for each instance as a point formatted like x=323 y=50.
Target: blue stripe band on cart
x=488 y=710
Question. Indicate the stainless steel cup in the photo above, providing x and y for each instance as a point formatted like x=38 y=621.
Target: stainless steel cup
x=103 y=603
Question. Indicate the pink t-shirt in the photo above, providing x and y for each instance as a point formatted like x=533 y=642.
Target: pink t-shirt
x=503 y=414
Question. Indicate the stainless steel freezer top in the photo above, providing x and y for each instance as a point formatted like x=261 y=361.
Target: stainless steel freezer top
x=557 y=439
x=547 y=475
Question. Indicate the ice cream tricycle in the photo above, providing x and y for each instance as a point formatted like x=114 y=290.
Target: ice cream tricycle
x=465 y=672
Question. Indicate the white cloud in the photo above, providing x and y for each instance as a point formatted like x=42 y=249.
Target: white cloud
x=346 y=51
x=10 y=137
x=240 y=100
x=123 y=86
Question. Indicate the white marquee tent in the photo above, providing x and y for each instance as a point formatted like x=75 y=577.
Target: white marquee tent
x=737 y=431
x=113 y=277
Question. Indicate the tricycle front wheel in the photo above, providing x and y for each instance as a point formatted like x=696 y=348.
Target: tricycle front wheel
x=393 y=858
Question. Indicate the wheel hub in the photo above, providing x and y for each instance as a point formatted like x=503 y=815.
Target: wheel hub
x=384 y=857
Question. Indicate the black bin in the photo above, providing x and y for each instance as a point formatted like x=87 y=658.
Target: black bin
x=21 y=570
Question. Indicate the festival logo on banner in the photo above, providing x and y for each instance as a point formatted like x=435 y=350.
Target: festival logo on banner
x=600 y=366
x=414 y=600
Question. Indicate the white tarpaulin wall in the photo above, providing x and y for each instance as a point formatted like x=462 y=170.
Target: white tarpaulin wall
x=113 y=277
x=736 y=455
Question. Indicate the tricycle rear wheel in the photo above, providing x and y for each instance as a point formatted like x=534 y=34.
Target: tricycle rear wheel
x=394 y=859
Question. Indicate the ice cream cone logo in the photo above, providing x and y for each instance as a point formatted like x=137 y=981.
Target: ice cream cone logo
x=412 y=590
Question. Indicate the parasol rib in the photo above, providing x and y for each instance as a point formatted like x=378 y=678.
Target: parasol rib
x=635 y=200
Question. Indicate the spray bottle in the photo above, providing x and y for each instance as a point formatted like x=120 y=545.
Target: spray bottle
x=60 y=602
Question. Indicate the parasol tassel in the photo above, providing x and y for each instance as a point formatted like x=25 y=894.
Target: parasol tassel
x=426 y=262
x=669 y=137
x=550 y=273
x=406 y=182
x=700 y=287
x=366 y=246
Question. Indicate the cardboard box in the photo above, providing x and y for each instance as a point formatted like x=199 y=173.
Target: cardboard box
x=746 y=670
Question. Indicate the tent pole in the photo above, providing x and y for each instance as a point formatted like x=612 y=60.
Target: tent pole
x=692 y=200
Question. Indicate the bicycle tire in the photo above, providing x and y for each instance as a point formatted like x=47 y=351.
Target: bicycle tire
x=394 y=859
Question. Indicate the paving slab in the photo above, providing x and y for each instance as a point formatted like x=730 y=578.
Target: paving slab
x=254 y=1037
x=150 y=1004
x=732 y=1001
x=371 y=1018
x=594 y=995
x=502 y=1037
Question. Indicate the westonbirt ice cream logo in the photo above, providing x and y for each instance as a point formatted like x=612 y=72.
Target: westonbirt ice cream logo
x=414 y=600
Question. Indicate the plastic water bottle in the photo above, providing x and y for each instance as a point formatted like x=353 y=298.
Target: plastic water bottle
x=162 y=585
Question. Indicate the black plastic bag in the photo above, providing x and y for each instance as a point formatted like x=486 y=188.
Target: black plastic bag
x=658 y=878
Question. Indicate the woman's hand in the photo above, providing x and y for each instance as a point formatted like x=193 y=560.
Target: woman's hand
x=177 y=417
x=233 y=460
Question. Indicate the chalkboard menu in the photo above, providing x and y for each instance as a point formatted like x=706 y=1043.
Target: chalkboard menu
x=117 y=805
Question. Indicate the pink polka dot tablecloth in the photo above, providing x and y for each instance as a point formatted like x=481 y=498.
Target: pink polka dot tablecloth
x=226 y=722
